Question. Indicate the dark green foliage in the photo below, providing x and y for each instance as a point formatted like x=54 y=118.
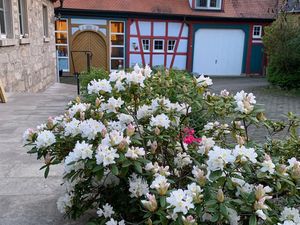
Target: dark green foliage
x=282 y=42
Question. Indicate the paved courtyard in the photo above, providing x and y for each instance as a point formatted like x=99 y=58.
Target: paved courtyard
x=26 y=198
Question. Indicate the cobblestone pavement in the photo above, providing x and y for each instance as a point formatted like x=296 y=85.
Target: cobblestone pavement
x=26 y=198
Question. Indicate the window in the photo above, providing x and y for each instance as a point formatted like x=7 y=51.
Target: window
x=117 y=43
x=61 y=40
x=146 y=45
x=5 y=19
x=208 y=4
x=23 y=18
x=171 y=45
x=45 y=21
x=158 y=46
x=257 y=31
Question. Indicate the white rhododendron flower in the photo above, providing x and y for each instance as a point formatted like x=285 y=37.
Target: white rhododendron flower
x=292 y=162
x=144 y=111
x=268 y=166
x=64 y=202
x=290 y=214
x=90 y=128
x=72 y=128
x=115 y=137
x=97 y=86
x=205 y=145
x=45 y=139
x=180 y=201
x=203 y=81
x=77 y=108
x=261 y=214
x=135 y=152
x=27 y=136
x=245 y=154
x=233 y=217
x=114 y=222
x=218 y=158
x=126 y=119
x=107 y=211
x=138 y=186
x=112 y=105
x=135 y=78
x=245 y=102
x=106 y=155
x=182 y=160
x=161 y=120
x=83 y=150
x=161 y=184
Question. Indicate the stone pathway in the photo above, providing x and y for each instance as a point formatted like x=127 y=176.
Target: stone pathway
x=26 y=198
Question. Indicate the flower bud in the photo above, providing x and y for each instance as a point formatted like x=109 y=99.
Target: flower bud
x=122 y=145
x=50 y=123
x=153 y=147
x=82 y=116
x=189 y=220
x=97 y=102
x=220 y=196
x=92 y=113
x=151 y=204
x=261 y=116
x=149 y=222
x=295 y=174
x=103 y=132
x=47 y=159
x=281 y=169
x=78 y=100
x=157 y=131
x=259 y=192
x=130 y=130
x=240 y=140
x=100 y=114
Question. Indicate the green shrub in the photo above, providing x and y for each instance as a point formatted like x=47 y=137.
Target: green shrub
x=282 y=42
x=86 y=77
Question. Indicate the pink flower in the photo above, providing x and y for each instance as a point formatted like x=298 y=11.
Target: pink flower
x=188 y=136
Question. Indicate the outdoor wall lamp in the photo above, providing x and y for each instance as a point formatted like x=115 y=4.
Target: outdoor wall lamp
x=134 y=46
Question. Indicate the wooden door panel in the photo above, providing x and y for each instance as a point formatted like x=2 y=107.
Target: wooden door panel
x=89 y=41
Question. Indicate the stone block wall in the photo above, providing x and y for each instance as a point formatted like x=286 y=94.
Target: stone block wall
x=29 y=65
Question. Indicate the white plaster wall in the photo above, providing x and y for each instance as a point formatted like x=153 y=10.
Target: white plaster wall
x=145 y=28
x=159 y=28
x=173 y=29
x=182 y=46
x=135 y=58
x=158 y=60
x=180 y=62
x=133 y=29
x=185 y=31
x=147 y=58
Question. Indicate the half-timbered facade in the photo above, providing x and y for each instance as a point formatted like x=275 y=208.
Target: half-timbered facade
x=214 y=37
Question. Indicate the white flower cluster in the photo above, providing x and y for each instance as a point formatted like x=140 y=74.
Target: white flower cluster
x=245 y=102
x=203 y=81
x=45 y=139
x=290 y=216
x=99 y=86
x=137 y=186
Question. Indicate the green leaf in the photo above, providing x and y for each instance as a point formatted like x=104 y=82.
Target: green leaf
x=46 y=173
x=115 y=170
x=253 y=220
x=163 y=201
x=138 y=167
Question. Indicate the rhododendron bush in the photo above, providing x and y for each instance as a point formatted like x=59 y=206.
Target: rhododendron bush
x=145 y=148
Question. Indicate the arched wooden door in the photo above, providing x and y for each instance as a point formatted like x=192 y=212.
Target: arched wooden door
x=88 y=41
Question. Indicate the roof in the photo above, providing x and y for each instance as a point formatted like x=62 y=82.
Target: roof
x=261 y=9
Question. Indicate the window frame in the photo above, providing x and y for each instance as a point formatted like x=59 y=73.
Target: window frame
x=63 y=45
x=259 y=36
x=3 y=35
x=208 y=7
x=173 y=49
x=149 y=45
x=45 y=15
x=23 y=19
x=163 y=45
x=116 y=46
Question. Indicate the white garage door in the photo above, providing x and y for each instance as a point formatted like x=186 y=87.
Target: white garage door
x=219 y=51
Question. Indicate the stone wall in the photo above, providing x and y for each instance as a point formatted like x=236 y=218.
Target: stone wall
x=29 y=65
